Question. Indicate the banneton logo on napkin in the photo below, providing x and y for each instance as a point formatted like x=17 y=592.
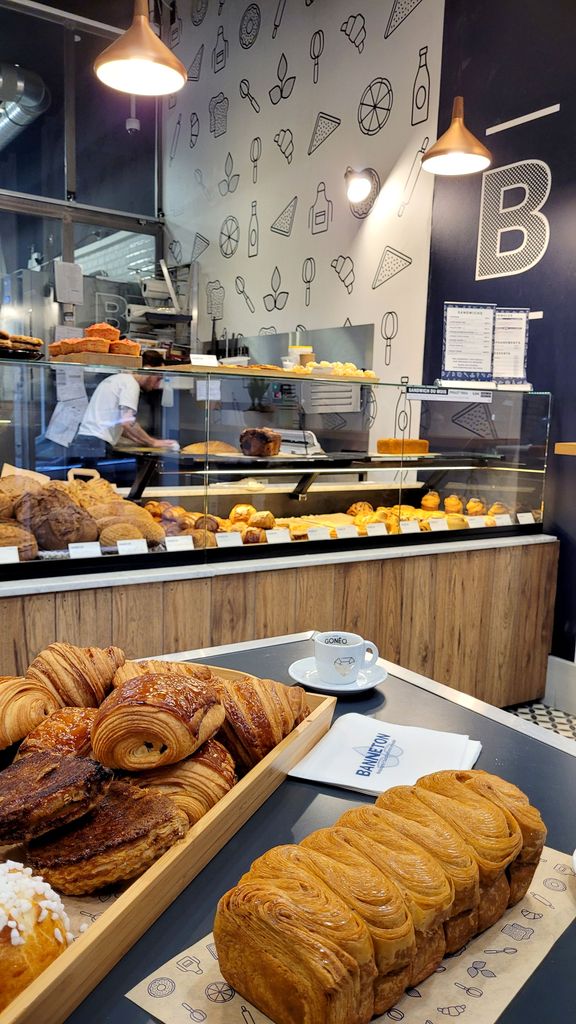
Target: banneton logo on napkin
x=363 y=754
x=382 y=753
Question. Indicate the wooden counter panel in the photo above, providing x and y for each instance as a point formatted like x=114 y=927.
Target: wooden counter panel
x=138 y=619
x=186 y=612
x=315 y=599
x=84 y=617
x=232 y=607
x=419 y=612
x=28 y=625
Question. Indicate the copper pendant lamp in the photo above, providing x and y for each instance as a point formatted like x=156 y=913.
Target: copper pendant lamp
x=139 y=62
x=457 y=151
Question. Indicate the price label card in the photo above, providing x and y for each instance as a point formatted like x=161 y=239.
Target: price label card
x=476 y=522
x=437 y=525
x=132 y=547
x=503 y=520
x=228 y=540
x=346 y=532
x=409 y=526
x=9 y=554
x=376 y=529
x=90 y=549
x=318 y=533
x=280 y=535
x=525 y=518
x=179 y=544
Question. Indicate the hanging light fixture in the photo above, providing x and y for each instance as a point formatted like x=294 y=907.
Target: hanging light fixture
x=139 y=62
x=457 y=151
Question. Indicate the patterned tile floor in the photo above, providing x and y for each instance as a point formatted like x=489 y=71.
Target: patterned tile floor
x=549 y=718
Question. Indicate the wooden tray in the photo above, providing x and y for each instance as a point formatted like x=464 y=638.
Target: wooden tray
x=99 y=359
x=63 y=985
x=277 y=371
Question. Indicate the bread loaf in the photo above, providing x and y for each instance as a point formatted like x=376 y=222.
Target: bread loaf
x=12 y=534
x=54 y=519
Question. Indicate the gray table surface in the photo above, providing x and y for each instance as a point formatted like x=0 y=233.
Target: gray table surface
x=545 y=773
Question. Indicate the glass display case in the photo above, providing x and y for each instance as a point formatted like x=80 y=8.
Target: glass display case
x=269 y=463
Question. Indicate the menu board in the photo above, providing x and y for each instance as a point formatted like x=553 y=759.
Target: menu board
x=468 y=346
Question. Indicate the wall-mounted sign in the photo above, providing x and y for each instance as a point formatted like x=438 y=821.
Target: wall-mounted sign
x=468 y=344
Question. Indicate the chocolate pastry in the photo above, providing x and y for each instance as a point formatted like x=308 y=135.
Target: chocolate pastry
x=195 y=784
x=66 y=731
x=154 y=720
x=54 y=519
x=118 y=841
x=45 y=790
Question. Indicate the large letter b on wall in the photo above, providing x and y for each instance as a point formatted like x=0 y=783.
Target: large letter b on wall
x=513 y=234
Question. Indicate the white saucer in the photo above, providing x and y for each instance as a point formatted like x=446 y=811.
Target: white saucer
x=305 y=672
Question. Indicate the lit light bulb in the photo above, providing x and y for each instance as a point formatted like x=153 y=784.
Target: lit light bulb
x=457 y=151
x=358 y=186
x=456 y=163
x=138 y=62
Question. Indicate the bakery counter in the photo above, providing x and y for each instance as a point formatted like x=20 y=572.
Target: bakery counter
x=541 y=764
x=473 y=613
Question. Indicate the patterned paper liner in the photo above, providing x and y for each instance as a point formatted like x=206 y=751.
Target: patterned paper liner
x=478 y=982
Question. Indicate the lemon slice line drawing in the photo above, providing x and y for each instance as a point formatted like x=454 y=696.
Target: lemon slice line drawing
x=375 y=106
x=229 y=237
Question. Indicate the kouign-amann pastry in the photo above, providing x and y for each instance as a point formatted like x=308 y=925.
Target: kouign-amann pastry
x=79 y=676
x=154 y=720
x=195 y=784
x=360 y=508
x=254 y=535
x=370 y=893
x=24 y=703
x=498 y=509
x=260 y=441
x=200 y=538
x=122 y=837
x=259 y=714
x=66 y=731
x=456 y=521
x=242 y=513
x=34 y=928
x=12 y=535
x=475 y=507
x=309 y=946
x=453 y=504
x=431 y=501
x=45 y=790
x=54 y=519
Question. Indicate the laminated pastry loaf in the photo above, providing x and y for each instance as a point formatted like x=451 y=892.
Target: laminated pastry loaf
x=425 y=869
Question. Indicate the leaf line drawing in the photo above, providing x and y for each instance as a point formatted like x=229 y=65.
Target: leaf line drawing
x=275 y=299
x=230 y=181
x=283 y=90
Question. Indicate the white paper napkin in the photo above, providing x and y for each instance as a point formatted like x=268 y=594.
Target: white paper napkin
x=369 y=756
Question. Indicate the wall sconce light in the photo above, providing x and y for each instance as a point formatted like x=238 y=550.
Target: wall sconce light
x=358 y=184
x=139 y=62
x=457 y=151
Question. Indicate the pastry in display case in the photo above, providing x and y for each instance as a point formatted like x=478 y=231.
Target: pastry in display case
x=265 y=459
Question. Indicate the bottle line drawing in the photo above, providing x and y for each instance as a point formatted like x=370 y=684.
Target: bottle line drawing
x=421 y=89
x=253 y=231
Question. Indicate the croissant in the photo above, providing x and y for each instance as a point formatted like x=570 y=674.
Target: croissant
x=196 y=784
x=533 y=829
x=405 y=812
x=23 y=704
x=369 y=892
x=66 y=731
x=427 y=890
x=79 y=676
x=154 y=720
x=259 y=714
x=492 y=833
x=131 y=669
x=309 y=946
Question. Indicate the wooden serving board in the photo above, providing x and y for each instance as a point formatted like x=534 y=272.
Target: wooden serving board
x=99 y=359
x=67 y=981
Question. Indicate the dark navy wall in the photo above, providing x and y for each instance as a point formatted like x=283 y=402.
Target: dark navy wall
x=509 y=58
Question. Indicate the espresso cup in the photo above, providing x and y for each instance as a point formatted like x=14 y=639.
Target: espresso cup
x=341 y=656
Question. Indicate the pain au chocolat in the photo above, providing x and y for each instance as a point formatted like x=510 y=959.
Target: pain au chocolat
x=154 y=720
x=429 y=867
x=123 y=836
x=45 y=790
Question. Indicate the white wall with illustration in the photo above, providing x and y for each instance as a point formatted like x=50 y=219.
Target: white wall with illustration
x=283 y=96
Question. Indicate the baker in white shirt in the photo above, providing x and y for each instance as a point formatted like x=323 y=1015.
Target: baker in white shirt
x=111 y=414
